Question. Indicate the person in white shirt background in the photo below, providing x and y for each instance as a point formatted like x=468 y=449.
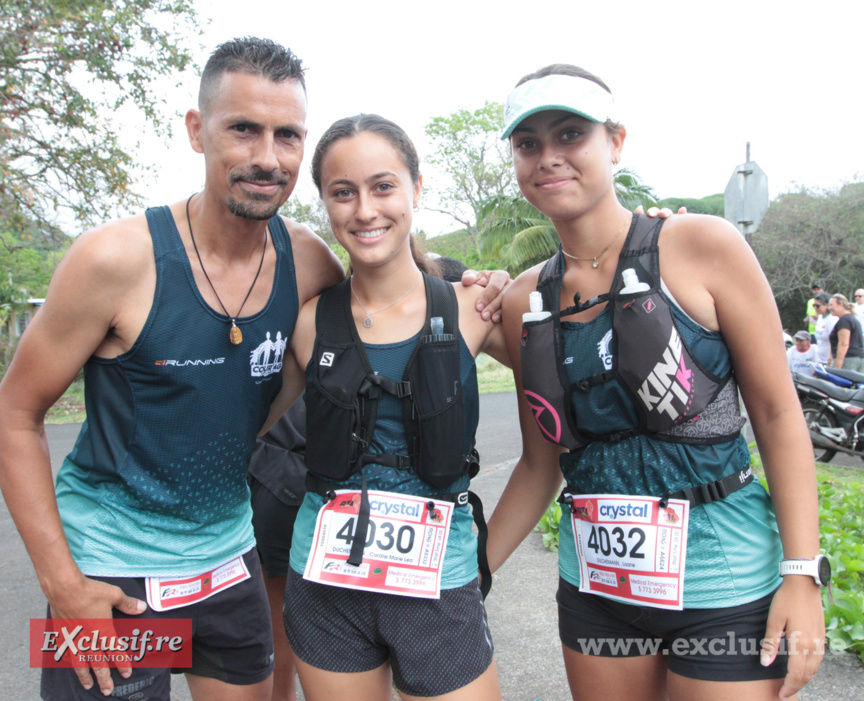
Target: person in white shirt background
x=802 y=354
x=859 y=305
x=825 y=321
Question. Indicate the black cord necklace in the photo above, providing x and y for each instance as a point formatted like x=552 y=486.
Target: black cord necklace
x=234 y=335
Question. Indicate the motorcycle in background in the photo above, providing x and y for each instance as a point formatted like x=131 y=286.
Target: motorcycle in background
x=834 y=413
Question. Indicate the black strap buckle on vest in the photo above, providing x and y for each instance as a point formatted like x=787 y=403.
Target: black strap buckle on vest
x=399 y=389
x=473 y=460
x=587 y=383
x=579 y=306
x=712 y=491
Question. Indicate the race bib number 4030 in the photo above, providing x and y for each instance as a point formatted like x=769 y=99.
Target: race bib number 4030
x=404 y=548
x=631 y=548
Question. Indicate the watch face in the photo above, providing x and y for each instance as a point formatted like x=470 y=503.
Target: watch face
x=824 y=570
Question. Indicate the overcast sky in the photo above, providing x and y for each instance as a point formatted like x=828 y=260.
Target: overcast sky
x=693 y=81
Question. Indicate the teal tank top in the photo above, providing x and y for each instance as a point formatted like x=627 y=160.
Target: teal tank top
x=156 y=482
x=390 y=360
x=733 y=545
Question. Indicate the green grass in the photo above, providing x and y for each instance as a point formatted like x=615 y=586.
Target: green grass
x=492 y=376
x=841 y=527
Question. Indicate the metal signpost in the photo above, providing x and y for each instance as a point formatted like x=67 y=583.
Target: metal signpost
x=746 y=197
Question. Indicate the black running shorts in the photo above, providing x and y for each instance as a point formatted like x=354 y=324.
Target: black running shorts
x=721 y=644
x=232 y=641
x=434 y=646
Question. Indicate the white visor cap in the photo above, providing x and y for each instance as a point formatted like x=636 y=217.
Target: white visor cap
x=557 y=92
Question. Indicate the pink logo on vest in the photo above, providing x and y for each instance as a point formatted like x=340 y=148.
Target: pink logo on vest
x=684 y=375
x=540 y=407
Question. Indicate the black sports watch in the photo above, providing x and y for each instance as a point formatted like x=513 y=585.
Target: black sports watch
x=819 y=568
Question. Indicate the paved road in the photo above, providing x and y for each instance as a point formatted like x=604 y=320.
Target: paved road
x=521 y=606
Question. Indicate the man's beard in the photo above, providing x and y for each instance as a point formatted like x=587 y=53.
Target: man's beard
x=252 y=210
x=258 y=207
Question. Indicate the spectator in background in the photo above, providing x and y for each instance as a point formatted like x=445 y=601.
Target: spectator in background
x=824 y=324
x=817 y=289
x=859 y=306
x=801 y=354
x=451 y=268
x=847 y=348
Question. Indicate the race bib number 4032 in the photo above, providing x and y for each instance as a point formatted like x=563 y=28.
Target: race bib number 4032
x=631 y=548
x=404 y=548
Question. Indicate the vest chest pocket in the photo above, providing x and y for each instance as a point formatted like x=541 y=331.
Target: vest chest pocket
x=437 y=386
x=332 y=407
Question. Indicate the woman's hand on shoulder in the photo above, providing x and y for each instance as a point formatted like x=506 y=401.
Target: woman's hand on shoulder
x=493 y=284
x=662 y=212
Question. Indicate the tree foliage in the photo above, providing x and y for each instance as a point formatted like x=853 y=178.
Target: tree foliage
x=66 y=68
x=460 y=245
x=474 y=161
x=313 y=215
x=513 y=232
x=631 y=191
x=713 y=204
x=808 y=236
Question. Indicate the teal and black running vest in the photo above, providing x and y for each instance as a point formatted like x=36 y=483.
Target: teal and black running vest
x=156 y=483
x=675 y=397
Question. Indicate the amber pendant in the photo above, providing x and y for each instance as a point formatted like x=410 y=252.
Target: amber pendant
x=235 y=335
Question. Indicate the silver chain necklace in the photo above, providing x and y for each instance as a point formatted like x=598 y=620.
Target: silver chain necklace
x=367 y=322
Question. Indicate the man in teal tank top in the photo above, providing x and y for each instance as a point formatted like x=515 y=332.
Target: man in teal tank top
x=181 y=320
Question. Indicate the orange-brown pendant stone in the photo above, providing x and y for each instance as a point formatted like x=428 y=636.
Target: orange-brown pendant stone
x=236 y=335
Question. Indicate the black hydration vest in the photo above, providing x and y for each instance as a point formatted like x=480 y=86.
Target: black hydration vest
x=342 y=394
x=674 y=395
x=343 y=391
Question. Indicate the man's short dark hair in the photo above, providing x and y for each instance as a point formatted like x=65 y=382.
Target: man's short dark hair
x=253 y=55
